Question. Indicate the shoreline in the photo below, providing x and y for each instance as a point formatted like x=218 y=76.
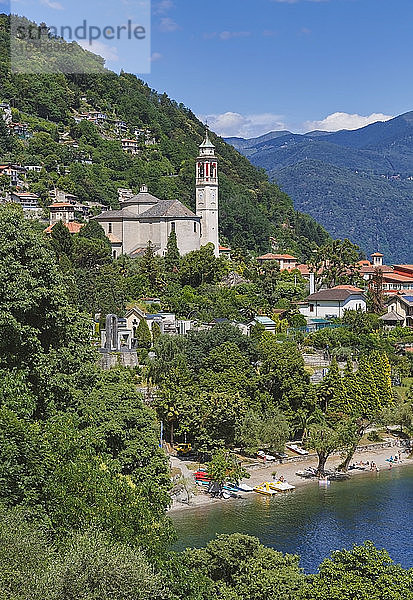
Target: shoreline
x=288 y=470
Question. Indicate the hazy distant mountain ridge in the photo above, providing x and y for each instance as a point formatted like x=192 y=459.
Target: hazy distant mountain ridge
x=355 y=183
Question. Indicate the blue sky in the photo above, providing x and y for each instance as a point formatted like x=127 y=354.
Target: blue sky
x=257 y=65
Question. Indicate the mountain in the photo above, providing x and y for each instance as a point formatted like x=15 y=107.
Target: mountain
x=87 y=159
x=357 y=184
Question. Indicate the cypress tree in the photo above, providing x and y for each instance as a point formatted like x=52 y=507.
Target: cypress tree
x=62 y=240
x=172 y=256
x=330 y=385
x=156 y=333
x=143 y=335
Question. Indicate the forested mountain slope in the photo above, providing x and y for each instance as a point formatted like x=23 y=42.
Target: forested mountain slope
x=356 y=183
x=89 y=161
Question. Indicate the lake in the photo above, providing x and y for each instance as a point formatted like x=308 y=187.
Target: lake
x=312 y=521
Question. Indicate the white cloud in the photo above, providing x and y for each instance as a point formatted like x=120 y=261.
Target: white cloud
x=231 y=124
x=109 y=53
x=228 y=35
x=167 y=25
x=163 y=7
x=156 y=56
x=341 y=120
x=52 y=4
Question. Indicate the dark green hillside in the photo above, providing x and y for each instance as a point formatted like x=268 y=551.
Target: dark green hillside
x=252 y=208
x=355 y=183
x=374 y=212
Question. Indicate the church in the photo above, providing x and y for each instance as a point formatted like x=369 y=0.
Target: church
x=143 y=218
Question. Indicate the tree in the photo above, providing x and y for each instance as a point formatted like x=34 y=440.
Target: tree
x=172 y=256
x=364 y=395
x=62 y=241
x=150 y=270
x=364 y=572
x=330 y=386
x=201 y=266
x=325 y=440
x=94 y=231
x=376 y=292
x=156 y=332
x=92 y=566
x=335 y=263
x=42 y=332
x=90 y=253
x=238 y=567
x=143 y=335
x=224 y=467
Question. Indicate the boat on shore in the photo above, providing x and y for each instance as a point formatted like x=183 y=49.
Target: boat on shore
x=297 y=449
x=281 y=486
x=265 y=489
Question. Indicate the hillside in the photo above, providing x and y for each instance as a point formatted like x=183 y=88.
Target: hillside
x=355 y=183
x=87 y=160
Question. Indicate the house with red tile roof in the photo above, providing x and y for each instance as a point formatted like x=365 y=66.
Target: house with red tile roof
x=286 y=261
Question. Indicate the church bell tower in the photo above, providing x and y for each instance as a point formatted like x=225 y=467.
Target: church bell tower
x=207 y=193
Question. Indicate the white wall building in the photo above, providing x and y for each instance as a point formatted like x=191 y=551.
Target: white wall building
x=333 y=302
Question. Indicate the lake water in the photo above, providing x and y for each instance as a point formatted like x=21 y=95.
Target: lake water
x=313 y=521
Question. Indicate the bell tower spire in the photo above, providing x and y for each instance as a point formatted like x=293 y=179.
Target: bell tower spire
x=207 y=193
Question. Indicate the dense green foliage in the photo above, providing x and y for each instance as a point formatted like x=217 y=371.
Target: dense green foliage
x=84 y=484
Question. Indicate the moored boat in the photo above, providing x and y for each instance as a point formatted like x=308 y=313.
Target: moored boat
x=265 y=489
x=281 y=486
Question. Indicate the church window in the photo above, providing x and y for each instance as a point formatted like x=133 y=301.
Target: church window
x=194 y=227
x=110 y=227
x=311 y=307
x=173 y=227
x=114 y=255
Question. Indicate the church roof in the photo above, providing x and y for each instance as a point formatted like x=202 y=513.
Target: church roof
x=168 y=208
x=115 y=214
x=144 y=197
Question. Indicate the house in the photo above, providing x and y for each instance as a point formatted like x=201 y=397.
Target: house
x=399 y=311
x=72 y=227
x=333 y=302
x=131 y=146
x=286 y=261
x=28 y=201
x=15 y=173
x=61 y=211
x=397 y=278
x=268 y=323
x=20 y=129
x=225 y=252
x=5 y=108
x=121 y=127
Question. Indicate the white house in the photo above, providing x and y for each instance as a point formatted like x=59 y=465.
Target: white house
x=333 y=302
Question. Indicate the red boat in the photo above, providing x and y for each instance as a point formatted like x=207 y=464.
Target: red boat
x=202 y=475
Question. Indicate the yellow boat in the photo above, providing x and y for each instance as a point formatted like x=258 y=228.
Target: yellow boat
x=265 y=489
x=281 y=486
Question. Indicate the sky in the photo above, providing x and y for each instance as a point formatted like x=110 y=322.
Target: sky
x=253 y=66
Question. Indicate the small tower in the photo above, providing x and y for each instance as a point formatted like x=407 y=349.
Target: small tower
x=377 y=259
x=207 y=193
